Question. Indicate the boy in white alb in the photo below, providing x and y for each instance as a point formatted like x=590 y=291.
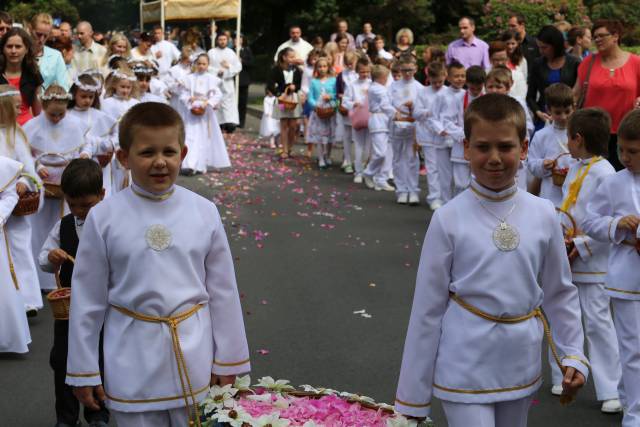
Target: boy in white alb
x=380 y=114
x=162 y=283
x=613 y=215
x=406 y=164
x=489 y=264
x=549 y=149
x=354 y=98
x=588 y=132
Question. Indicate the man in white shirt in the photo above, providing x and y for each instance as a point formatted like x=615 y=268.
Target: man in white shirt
x=89 y=54
x=225 y=64
x=166 y=53
x=295 y=42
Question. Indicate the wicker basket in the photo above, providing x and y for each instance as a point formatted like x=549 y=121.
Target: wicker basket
x=288 y=105
x=558 y=175
x=104 y=159
x=343 y=111
x=407 y=119
x=198 y=111
x=28 y=204
x=325 y=112
x=52 y=191
x=60 y=300
x=570 y=229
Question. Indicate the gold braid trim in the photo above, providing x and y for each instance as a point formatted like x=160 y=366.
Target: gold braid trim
x=488 y=391
x=242 y=362
x=12 y=268
x=89 y=375
x=413 y=405
x=185 y=382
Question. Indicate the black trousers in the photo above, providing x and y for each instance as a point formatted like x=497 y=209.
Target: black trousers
x=613 y=153
x=67 y=406
x=243 y=99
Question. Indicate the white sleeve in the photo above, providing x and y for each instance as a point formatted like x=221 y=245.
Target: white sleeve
x=235 y=66
x=8 y=200
x=435 y=123
x=52 y=242
x=348 y=99
x=215 y=96
x=430 y=301
x=421 y=110
x=535 y=159
x=599 y=222
x=230 y=349
x=561 y=303
x=89 y=304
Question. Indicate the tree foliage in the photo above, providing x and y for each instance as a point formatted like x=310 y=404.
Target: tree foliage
x=23 y=11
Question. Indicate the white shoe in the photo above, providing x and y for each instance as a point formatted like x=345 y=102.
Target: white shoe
x=414 y=199
x=556 y=390
x=321 y=163
x=435 y=205
x=328 y=161
x=348 y=169
x=369 y=182
x=403 y=198
x=611 y=406
x=357 y=179
x=343 y=165
x=384 y=187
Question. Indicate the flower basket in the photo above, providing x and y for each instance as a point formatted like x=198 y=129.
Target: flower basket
x=407 y=119
x=52 y=189
x=288 y=105
x=28 y=204
x=104 y=159
x=343 y=111
x=276 y=403
x=558 y=175
x=325 y=112
x=198 y=110
x=60 y=300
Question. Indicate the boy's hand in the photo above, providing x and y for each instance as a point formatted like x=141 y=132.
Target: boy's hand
x=629 y=222
x=90 y=396
x=444 y=133
x=326 y=97
x=573 y=254
x=409 y=104
x=548 y=164
x=572 y=382
x=57 y=257
x=43 y=172
x=21 y=188
x=356 y=105
x=222 y=380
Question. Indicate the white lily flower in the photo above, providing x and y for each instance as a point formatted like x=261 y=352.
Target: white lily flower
x=319 y=390
x=271 y=384
x=235 y=417
x=400 y=421
x=219 y=398
x=358 y=398
x=243 y=383
x=270 y=420
x=281 y=403
x=386 y=406
x=265 y=397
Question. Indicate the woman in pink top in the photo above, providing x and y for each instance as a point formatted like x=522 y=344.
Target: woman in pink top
x=614 y=82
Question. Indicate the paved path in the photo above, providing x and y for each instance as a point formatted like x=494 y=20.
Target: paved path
x=310 y=248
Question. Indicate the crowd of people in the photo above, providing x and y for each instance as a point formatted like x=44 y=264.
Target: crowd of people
x=91 y=123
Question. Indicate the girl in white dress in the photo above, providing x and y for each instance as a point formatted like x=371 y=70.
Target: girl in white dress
x=174 y=79
x=269 y=127
x=14 y=329
x=201 y=96
x=55 y=140
x=144 y=74
x=14 y=145
x=120 y=95
x=98 y=126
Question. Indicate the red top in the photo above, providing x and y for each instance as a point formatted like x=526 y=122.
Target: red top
x=25 y=112
x=614 y=93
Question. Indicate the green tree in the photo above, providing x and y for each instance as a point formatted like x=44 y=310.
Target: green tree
x=24 y=11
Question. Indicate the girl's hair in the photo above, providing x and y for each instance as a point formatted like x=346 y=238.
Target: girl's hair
x=322 y=61
x=191 y=37
x=497 y=46
x=117 y=37
x=281 y=55
x=55 y=94
x=574 y=33
x=331 y=48
x=8 y=117
x=201 y=55
x=404 y=32
x=340 y=37
x=552 y=36
x=317 y=41
x=83 y=81
x=29 y=63
x=116 y=76
x=516 y=56
x=351 y=57
x=315 y=54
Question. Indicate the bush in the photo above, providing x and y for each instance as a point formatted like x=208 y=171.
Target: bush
x=537 y=13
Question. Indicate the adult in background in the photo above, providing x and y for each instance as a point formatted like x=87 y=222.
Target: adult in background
x=142 y=52
x=553 y=66
x=517 y=63
x=65 y=30
x=404 y=43
x=89 y=54
x=119 y=46
x=614 y=80
x=342 y=28
x=52 y=67
x=300 y=47
x=579 y=39
x=225 y=64
x=165 y=52
x=528 y=43
x=367 y=34
x=65 y=47
x=246 y=58
x=6 y=22
x=18 y=67
x=342 y=42
x=468 y=50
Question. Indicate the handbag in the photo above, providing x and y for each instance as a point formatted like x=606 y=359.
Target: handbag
x=360 y=116
x=585 y=84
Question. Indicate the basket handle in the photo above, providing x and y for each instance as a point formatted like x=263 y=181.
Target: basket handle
x=573 y=222
x=57 y=272
x=555 y=161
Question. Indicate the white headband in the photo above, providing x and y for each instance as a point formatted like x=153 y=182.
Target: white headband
x=57 y=97
x=92 y=72
x=9 y=93
x=141 y=69
x=120 y=75
x=86 y=87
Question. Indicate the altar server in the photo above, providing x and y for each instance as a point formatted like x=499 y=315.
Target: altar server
x=613 y=215
x=161 y=282
x=55 y=140
x=489 y=264
x=225 y=64
x=14 y=329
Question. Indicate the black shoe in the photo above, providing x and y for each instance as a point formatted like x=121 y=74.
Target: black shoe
x=32 y=312
x=59 y=424
x=98 y=423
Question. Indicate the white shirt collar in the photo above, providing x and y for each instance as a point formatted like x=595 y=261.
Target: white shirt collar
x=491 y=195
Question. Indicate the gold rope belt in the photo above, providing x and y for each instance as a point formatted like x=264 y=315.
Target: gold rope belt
x=185 y=382
x=537 y=312
x=12 y=268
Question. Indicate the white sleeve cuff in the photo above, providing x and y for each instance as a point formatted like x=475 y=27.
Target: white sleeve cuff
x=413 y=409
x=580 y=363
x=83 y=379
x=231 y=368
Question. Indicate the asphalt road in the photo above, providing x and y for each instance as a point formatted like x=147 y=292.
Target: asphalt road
x=310 y=248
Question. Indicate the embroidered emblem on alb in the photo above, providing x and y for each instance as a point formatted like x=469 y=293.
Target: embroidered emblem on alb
x=158 y=237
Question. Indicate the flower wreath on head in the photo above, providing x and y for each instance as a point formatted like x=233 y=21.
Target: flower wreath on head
x=57 y=97
x=86 y=86
x=120 y=75
x=11 y=92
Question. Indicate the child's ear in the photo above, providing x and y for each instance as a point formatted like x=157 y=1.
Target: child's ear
x=524 y=150
x=465 y=142
x=123 y=157
x=183 y=152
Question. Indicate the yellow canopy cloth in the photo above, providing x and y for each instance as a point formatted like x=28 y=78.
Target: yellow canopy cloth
x=189 y=10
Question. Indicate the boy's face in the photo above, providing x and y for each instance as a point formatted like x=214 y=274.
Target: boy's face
x=560 y=115
x=80 y=206
x=575 y=144
x=629 y=154
x=396 y=74
x=382 y=79
x=494 y=152
x=437 y=82
x=407 y=71
x=202 y=64
x=379 y=44
x=475 y=89
x=154 y=158
x=494 y=86
x=457 y=77
x=364 y=71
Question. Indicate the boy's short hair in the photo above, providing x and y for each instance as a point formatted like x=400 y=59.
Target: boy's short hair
x=363 y=62
x=629 y=128
x=454 y=65
x=501 y=75
x=378 y=71
x=436 y=69
x=81 y=177
x=495 y=107
x=407 y=59
x=149 y=115
x=476 y=75
x=395 y=66
x=351 y=57
x=594 y=125
x=558 y=95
